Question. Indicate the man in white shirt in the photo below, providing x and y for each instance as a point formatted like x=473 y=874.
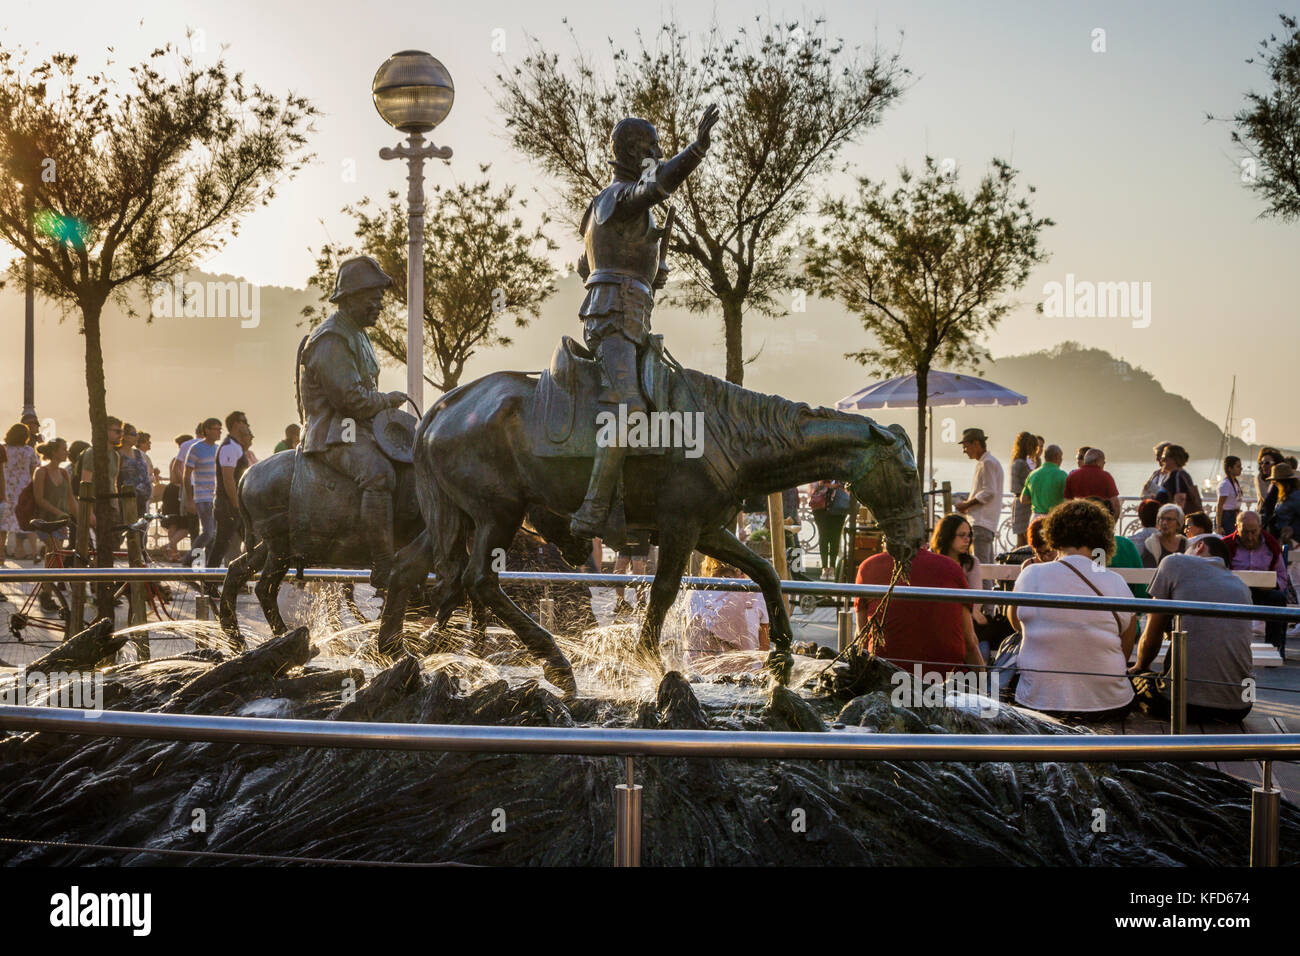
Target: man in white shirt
x=984 y=505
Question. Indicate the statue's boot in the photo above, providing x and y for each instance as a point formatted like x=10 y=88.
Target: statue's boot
x=592 y=519
x=377 y=525
x=618 y=363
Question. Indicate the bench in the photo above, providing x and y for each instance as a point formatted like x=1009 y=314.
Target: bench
x=1009 y=572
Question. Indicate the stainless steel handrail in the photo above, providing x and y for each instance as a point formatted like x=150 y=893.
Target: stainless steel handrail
x=597 y=741
x=951 y=595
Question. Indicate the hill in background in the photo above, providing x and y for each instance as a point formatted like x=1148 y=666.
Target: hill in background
x=1084 y=396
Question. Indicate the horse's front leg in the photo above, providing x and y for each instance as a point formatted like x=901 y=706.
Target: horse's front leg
x=675 y=546
x=721 y=544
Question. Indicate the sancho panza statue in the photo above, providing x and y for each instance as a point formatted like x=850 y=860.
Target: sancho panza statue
x=621 y=266
x=337 y=379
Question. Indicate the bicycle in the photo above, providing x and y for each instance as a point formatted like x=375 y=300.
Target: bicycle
x=52 y=598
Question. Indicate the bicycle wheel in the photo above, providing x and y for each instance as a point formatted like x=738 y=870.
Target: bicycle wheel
x=807 y=530
x=1006 y=539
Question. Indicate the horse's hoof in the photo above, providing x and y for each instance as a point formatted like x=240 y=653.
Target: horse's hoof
x=781 y=665
x=561 y=675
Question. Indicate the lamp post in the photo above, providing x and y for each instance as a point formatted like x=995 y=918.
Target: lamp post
x=29 y=327
x=413 y=92
x=23 y=166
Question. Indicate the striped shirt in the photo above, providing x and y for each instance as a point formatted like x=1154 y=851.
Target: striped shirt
x=202 y=457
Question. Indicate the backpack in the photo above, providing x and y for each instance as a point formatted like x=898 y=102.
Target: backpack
x=25 y=507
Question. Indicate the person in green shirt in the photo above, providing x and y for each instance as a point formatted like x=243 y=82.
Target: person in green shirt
x=1045 y=487
x=1126 y=552
x=291 y=435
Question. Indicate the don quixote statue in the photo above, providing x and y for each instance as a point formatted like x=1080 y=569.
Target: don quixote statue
x=687 y=450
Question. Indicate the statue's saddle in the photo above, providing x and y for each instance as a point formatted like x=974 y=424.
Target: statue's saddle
x=323 y=500
x=571 y=394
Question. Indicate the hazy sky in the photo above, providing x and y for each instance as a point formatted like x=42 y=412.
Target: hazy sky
x=1142 y=188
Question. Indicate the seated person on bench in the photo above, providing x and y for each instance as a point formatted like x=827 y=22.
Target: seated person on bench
x=1218 y=648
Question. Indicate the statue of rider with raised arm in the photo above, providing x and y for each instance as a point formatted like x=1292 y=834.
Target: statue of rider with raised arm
x=622 y=265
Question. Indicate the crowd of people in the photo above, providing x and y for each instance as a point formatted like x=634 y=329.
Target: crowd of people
x=198 y=500
x=1085 y=663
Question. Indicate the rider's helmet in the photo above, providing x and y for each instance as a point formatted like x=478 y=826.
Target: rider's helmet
x=357 y=274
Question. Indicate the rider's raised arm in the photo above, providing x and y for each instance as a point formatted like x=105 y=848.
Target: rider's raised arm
x=651 y=190
x=336 y=371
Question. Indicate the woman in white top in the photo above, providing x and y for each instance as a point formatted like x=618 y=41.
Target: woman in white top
x=1092 y=644
x=1225 y=512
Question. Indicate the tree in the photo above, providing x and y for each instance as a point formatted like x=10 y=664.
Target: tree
x=133 y=187
x=1268 y=128
x=790 y=101
x=480 y=263
x=926 y=267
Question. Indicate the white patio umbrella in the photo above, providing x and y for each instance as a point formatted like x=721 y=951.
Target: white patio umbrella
x=942 y=388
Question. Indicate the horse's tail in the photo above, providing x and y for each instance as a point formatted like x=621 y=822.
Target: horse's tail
x=448 y=529
x=447 y=526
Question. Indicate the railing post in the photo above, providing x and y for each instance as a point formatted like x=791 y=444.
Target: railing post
x=1178 y=677
x=1265 y=806
x=627 y=820
x=947 y=497
x=843 y=630
x=202 y=607
x=136 y=614
x=546 y=613
x=81 y=551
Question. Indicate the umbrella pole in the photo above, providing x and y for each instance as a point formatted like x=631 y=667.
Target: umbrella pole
x=930 y=511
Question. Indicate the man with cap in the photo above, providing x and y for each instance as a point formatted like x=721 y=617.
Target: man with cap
x=622 y=265
x=984 y=504
x=337 y=393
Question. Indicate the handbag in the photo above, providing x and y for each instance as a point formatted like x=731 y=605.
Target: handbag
x=839 y=504
x=25 y=507
x=1006 y=665
x=817 y=500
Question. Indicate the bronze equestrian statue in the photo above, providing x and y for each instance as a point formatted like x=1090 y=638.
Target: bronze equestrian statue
x=338 y=377
x=493 y=449
x=623 y=262
x=331 y=500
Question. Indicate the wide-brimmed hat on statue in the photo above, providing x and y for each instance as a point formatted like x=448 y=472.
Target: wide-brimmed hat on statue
x=394 y=430
x=358 y=274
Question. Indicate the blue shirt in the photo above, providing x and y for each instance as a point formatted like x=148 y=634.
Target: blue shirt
x=202 y=457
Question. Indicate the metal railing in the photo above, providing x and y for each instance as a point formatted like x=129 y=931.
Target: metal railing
x=629 y=743
x=828 y=588
x=736 y=745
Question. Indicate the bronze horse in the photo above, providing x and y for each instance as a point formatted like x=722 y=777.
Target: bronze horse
x=332 y=536
x=327 y=533
x=476 y=478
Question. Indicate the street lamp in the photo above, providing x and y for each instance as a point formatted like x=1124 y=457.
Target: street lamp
x=413 y=92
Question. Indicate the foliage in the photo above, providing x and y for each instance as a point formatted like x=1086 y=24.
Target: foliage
x=109 y=187
x=1268 y=127
x=926 y=266
x=790 y=100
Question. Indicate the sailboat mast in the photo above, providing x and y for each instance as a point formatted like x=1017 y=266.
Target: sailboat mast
x=1225 y=439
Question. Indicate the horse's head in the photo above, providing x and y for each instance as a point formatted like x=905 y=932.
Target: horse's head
x=891 y=488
